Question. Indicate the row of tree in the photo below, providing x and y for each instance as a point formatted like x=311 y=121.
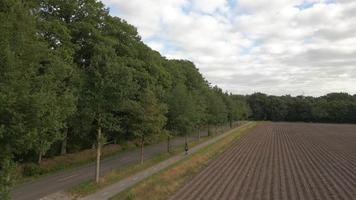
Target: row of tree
x=331 y=108
x=72 y=77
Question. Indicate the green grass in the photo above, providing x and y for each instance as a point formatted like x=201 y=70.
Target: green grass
x=165 y=183
x=89 y=187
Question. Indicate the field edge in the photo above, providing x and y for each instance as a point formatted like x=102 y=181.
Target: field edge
x=166 y=182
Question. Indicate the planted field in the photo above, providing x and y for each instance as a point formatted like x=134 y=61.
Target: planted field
x=282 y=161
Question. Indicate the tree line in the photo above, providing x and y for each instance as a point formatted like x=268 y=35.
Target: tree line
x=330 y=108
x=72 y=77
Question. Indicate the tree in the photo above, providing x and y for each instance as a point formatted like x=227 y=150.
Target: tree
x=181 y=113
x=277 y=109
x=332 y=108
x=105 y=78
x=258 y=105
x=73 y=77
x=233 y=108
x=216 y=108
x=243 y=109
x=34 y=103
x=145 y=117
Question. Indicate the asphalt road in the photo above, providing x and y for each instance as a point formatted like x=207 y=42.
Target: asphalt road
x=114 y=189
x=63 y=180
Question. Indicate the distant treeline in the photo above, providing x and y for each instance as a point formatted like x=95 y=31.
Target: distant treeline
x=72 y=76
x=331 y=108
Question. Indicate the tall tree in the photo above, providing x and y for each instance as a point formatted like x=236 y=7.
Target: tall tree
x=182 y=112
x=144 y=117
x=34 y=102
x=216 y=108
x=258 y=104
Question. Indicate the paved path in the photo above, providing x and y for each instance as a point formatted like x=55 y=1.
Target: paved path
x=63 y=180
x=120 y=186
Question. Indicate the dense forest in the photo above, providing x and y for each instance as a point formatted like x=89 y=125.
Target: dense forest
x=73 y=77
x=331 y=108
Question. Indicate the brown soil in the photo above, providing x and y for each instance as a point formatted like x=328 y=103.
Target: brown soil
x=282 y=161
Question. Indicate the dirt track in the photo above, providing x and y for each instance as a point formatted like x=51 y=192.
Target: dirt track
x=282 y=161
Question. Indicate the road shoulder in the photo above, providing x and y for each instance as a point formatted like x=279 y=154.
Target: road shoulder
x=125 y=184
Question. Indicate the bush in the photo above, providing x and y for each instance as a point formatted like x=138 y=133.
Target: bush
x=7 y=172
x=32 y=169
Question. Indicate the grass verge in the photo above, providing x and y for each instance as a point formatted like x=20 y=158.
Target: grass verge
x=165 y=183
x=89 y=187
x=30 y=171
x=27 y=172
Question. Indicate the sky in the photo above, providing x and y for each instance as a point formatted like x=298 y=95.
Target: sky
x=278 y=47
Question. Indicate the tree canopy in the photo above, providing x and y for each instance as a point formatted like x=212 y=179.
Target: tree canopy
x=330 y=108
x=70 y=70
x=73 y=76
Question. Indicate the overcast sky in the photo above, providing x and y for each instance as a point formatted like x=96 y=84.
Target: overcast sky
x=244 y=46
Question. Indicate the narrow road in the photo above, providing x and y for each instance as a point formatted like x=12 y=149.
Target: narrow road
x=128 y=182
x=63 y=180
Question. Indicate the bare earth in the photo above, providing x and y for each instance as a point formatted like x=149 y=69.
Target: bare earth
x=282 y=161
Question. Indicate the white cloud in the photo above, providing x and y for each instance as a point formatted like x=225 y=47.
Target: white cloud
x=276 y=46
x=209 y=6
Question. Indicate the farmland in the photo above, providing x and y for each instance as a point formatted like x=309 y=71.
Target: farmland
x=281 y=161
x=92 y=88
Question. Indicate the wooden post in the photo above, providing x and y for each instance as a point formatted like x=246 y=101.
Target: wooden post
x=98 y=155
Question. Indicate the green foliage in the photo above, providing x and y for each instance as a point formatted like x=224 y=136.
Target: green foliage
x=7 y=172
x=181 y=115
x=216 y=108
x=258 y=103
x=32 y=169
x=333 y=108
x=68 y=68
x=34 y=102
x=147 y=115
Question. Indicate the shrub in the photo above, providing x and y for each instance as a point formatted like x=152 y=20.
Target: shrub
x=32 y=169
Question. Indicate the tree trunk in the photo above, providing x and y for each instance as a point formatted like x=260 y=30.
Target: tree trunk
x=98 y=155
x=198 y=134
x=142 y=143
x=64 y=142
x=208 y=129
x=40 y=154
x=168 y=144
x=230 y=123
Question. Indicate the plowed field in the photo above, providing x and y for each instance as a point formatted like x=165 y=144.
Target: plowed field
x=282 y=161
